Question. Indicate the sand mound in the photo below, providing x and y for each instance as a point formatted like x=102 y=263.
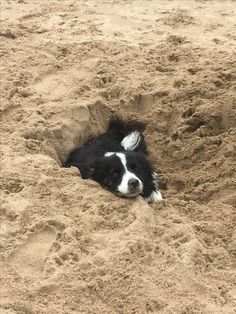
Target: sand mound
x=67 y=246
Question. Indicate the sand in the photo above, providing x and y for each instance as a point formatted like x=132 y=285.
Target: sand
x=68 y=246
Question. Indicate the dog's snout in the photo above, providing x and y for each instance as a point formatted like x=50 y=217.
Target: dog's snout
x=133 y=183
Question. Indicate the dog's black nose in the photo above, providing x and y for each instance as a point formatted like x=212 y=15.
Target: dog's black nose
x=133 y=183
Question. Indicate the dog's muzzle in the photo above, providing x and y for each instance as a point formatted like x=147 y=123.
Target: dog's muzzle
x=134 y=187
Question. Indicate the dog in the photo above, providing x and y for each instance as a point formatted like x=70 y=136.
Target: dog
x=118 y=161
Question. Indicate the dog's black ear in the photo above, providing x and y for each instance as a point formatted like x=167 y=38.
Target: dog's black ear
x=85 y=171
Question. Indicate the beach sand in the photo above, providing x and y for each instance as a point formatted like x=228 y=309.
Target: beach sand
x=66 y=245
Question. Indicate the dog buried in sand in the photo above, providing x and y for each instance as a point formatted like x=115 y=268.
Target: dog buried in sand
x=118 y=161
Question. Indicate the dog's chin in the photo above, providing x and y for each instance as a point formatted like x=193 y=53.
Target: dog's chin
x=128 y=195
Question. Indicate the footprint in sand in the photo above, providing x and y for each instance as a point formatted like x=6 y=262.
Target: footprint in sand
x=29 y=258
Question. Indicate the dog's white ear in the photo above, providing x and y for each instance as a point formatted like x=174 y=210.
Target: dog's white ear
x=131 y=141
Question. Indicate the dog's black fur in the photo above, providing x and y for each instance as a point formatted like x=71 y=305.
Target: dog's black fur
x=101 y=158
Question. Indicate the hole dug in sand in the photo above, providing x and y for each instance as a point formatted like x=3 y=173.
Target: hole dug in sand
x=187 y=139
x=66 y=127
x=98 y=119
x=81 y=123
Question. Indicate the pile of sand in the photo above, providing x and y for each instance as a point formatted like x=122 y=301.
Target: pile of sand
x=66 y=245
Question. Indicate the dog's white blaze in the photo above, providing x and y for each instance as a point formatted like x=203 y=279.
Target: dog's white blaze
x=123 y=187
x=131 y=141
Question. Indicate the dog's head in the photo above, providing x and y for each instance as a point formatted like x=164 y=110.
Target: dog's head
x=121 y=173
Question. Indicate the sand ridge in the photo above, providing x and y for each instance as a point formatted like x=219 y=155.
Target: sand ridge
x=67 y=246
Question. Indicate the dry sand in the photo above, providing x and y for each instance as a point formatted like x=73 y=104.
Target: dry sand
x=67 y=246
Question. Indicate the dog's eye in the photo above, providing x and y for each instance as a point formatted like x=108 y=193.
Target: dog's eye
x=116 y=172
x=133 y=166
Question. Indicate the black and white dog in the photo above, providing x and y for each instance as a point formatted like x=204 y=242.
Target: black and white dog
x=117 y=160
